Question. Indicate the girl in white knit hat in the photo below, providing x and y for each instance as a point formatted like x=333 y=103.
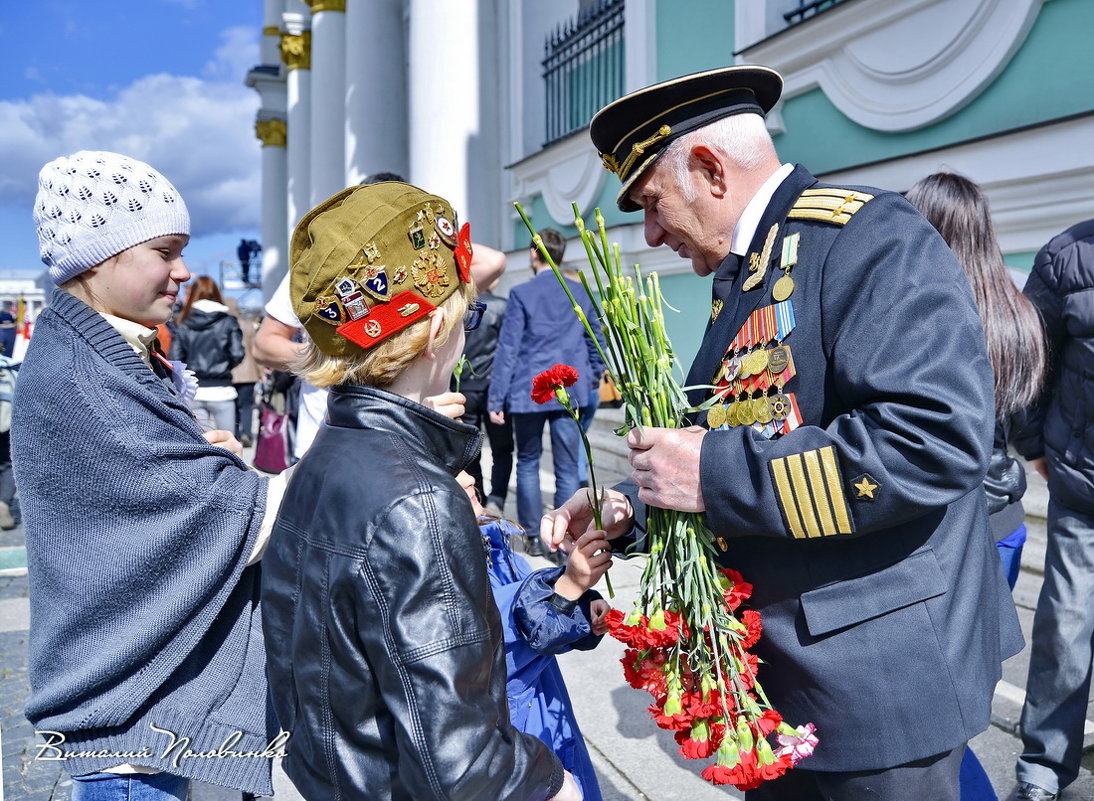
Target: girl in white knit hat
x=142 y=531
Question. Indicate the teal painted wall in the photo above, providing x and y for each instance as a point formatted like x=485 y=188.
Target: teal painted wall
x=1047 y=79
x=693 y=36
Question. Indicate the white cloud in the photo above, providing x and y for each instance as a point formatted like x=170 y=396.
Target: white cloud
x=238 y=52
x=199 y=133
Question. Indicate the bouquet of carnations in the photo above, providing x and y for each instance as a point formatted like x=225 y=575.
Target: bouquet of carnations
x=688 y=636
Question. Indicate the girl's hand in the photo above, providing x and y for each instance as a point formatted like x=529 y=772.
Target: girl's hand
x=588 y=560
x=450 y=404
x=599 y=609
x=224 y=439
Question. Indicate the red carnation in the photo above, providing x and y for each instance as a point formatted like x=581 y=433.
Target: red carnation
x=546 y=384
x=751 y=619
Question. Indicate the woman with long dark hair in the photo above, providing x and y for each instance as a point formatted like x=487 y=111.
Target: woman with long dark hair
x=209 y=340
x=1017 y=350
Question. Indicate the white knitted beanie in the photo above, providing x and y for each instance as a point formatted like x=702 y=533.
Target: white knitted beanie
x=93 y=205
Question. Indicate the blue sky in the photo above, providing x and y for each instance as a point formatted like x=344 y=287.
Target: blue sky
x=161 y=80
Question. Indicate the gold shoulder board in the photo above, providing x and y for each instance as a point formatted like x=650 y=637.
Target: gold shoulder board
x=831 y=205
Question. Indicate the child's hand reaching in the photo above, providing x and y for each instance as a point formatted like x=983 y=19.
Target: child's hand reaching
x=598 y=610
x=588 y=560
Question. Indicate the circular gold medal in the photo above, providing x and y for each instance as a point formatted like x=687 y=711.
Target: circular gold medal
x=778 y=358
x=783 y=288
x=745 y=415
x=716 y=416
x=732 y=417
x=759 y=361
x=748 y=365
x=762 y=409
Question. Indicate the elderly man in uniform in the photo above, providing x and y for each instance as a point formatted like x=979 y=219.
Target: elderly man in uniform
x=845 y=486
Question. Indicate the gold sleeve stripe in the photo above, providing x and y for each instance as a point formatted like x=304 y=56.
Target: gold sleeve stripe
x=810 y=493
x=786 y=497
x=816 y=481
x=801 y=495
x=835 y=489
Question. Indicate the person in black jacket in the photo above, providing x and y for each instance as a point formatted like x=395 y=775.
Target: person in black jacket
x=1060 y=441
x=209 y=340
x=386 y=657
x=473 y=382
x=1016 y=348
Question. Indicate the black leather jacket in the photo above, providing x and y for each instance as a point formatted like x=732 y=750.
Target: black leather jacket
x=1004 y=486
x=386 y=654
x=211 y=344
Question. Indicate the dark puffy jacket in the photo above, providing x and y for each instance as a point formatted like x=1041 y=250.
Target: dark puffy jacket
x=387 y=660
x=211 y=344
x=481 y=345
x=1061 y=286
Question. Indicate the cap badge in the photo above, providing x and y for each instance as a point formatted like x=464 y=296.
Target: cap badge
x=638 y=149
x=345 y=286
x=447 y=231
x=329 y=310
x=376 y=283
x=417 y=236
x=430 y=275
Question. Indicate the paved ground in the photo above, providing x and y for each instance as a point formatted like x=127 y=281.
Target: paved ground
x=635 y=760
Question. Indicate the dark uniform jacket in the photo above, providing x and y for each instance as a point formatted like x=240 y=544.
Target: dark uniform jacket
x=386 y=654
x=1061 y=286
x=864 y=530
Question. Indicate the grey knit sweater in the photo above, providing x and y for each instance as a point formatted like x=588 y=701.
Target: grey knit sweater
x=142 y=610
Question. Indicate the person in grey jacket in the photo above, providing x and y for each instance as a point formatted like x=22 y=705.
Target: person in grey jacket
x=142 y=532
x=1060 y=440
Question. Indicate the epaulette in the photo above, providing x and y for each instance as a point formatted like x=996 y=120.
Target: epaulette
x=831 y=205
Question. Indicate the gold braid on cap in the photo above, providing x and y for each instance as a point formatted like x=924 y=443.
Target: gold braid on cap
x=637 y=149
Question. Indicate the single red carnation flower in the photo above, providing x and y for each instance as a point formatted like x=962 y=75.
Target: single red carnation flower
x=751 y=619
x=546 y=383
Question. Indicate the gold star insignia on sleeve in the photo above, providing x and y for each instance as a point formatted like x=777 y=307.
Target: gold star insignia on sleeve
x=865 y=486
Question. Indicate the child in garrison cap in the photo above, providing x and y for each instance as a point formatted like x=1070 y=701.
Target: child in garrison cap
x=386 y=658
x=141 y=530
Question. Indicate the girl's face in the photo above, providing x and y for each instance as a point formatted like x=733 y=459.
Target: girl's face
x=142 y=283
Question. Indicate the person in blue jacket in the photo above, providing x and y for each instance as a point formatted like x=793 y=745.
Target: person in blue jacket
x=543 y=613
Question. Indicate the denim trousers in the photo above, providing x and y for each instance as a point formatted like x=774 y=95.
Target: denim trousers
x=129 y=787
x=565 y=443
x=215 y=414
x=1060 y=655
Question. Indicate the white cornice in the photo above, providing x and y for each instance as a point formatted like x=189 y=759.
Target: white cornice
x=896 y=66
x=1038 y=181
x=567 y=172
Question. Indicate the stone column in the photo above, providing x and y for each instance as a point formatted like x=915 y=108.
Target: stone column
x=296 y=53
x=275 y=234
x=376 y=90
x=453 y=109
x=328 y=98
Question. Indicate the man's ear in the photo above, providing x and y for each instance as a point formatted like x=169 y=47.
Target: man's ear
x=436 y=324
x=712 y=167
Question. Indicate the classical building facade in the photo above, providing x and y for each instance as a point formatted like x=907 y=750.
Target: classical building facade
x=487 y=102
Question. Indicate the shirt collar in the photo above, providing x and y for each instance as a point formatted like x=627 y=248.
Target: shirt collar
x=139 y=337
x=745 y=230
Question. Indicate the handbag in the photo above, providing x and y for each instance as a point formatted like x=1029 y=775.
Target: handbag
x=272 y=452
x=609 y=392
x=274 y=445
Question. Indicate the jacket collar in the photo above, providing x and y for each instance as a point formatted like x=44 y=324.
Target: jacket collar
x=449 y=442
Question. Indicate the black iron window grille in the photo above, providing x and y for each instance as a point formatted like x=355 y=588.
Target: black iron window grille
x=808 y=8
x=583 y=67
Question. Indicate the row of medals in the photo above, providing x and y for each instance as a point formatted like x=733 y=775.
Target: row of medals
x=764 y=408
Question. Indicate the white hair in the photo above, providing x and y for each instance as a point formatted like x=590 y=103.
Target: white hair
x=742 y=138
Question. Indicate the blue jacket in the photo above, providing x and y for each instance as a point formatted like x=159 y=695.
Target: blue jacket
x=539 y=624
x=539 y=331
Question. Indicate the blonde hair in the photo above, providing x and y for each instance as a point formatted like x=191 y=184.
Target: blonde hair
x=381 y=364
